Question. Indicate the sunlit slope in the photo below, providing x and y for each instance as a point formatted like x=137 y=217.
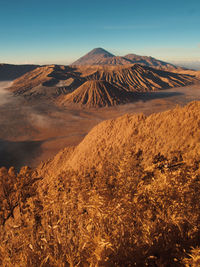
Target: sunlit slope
x=99 y=56
x=57 y=81
x=171 y=132
x=127 y=195
x=97 y=93
x=141 y=78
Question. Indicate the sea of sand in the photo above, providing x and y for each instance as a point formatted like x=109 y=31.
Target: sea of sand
x=35 y=131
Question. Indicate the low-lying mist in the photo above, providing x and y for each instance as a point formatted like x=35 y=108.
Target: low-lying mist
x=5 y=96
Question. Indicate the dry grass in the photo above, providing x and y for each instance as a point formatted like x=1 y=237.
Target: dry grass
x=124 y=215
x=166 y=132
x=129 y=210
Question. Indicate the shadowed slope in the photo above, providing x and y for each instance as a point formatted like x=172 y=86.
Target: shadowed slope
x=32 y=79
x=9 y=72
x=151 y=62
x=103 y=60
x=100 y=56
x=53 y=81
x=96 y=93
x=140 y=78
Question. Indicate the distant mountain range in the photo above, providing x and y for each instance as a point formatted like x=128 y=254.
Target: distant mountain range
x=97 y=56
x=100 y=56
x=97 y=79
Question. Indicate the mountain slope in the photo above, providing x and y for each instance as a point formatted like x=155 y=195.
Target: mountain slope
x=94 y=57
x=127 y=195
x=115 y=61
x=47 y=81
x=141 y=78
x=170 y=133
x=97 y=93
x=151 y=62
x=9 y=72
x=99 y=56
x=54 y=81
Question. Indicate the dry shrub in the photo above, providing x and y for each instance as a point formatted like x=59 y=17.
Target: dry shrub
x=194 y=258
x=121 y=215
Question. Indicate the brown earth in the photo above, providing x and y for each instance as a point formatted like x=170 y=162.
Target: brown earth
x=140 y=78
x=97 y=93
x=57 y=81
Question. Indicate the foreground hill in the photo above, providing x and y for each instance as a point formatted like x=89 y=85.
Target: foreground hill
x=57 y=81
x=169 y=132
x=9 y=72
x=128 y=195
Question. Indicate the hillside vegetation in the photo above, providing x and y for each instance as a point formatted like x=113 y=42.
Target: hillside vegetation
x=128 y=195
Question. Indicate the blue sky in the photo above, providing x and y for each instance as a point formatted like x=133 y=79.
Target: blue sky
x=61 y=31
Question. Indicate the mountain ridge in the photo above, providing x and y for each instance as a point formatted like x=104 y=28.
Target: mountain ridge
x=99 y=56
x=150 y=134
x=55 y=81
x=97 y=93
x=95 y=55
x=9 y=72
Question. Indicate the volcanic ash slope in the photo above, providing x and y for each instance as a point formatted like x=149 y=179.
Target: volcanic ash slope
x=97 y=93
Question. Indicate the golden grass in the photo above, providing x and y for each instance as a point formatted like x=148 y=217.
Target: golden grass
x=124 y=215
x=132 y=209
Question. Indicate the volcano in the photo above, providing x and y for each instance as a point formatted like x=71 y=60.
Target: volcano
x=97 y=93
x=58 y=81
x=94 y=57
x=100 y=56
